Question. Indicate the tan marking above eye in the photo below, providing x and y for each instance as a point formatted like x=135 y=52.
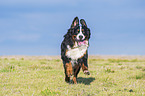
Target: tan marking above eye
x=78 y=30
x=82 y=30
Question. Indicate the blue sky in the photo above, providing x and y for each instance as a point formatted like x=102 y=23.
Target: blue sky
x=36 y=27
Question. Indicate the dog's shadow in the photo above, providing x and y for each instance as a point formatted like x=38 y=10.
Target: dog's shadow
x=86 y=81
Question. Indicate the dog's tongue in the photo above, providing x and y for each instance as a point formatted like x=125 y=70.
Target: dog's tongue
x=81 y=43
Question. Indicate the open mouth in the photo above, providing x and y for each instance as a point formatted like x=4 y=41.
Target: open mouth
x=82 y=42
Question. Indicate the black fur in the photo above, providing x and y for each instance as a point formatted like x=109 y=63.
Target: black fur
x=69 y=40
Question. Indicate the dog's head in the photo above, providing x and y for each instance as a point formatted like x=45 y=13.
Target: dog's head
x=79 y=34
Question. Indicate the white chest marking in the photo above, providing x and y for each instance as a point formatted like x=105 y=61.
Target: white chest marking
x=76 y=53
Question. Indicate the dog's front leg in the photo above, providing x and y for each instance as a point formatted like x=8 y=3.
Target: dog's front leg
x=76 y=71
x=85 y=69
x=68 y=71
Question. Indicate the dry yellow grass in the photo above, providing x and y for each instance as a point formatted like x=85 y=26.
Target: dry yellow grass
x=44 y=75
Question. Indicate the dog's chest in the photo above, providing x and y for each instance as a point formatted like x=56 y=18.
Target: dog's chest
x=76 y=53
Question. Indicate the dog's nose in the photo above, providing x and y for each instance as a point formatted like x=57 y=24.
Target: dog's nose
x=80 y=37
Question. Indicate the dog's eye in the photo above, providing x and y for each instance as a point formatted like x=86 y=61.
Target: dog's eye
x=77 y=31
x=74 y=36
x=83 y=31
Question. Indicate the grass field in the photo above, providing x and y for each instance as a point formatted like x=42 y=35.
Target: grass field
x=44 y=76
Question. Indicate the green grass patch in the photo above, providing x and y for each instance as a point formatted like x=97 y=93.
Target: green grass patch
x=5 y=58
x=12 y=58
x=34 y=76
x=22 y=59
x=48 y=92
x=137 y=76
x=119 y=64
x=124 y=60
x=140 y=76
x=139 y=67
x=43 y=62
x=9 y=68
x=97 y=60
x=57 y=60
x=109 y=70
x=118 y=60
x=107 y=64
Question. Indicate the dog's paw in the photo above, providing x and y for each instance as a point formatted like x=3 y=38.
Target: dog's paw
x=86 y=72
x=74 y=80
x=67 y=79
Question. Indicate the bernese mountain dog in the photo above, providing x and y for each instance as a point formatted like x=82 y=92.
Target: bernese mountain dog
x=74 y=49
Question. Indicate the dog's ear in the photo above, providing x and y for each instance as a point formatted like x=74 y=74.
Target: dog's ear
x=83 y=22
x=75 y=22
